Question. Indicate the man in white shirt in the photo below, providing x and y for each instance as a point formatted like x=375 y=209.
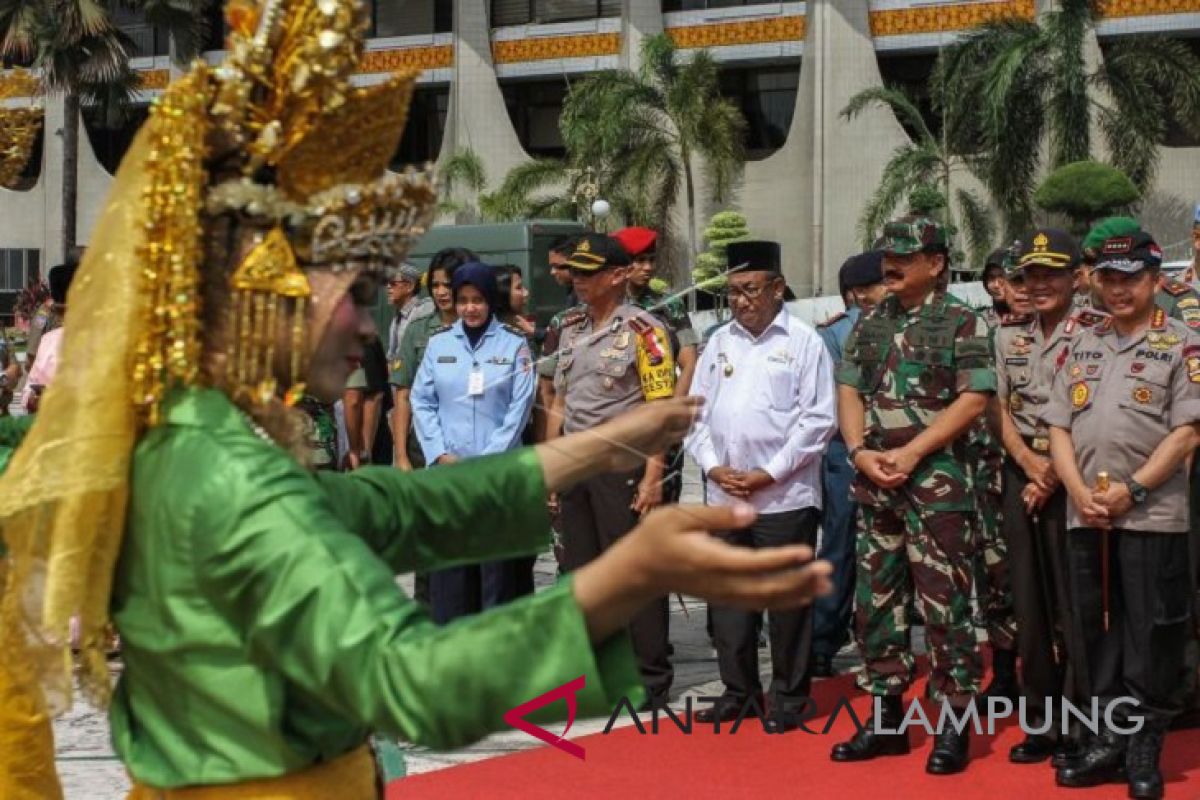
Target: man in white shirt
x=767 y=380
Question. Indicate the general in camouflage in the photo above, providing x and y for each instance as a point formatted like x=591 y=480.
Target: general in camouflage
x=909 y=367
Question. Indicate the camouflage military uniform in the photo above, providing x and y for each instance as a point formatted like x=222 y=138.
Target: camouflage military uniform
x=993 y=586
x=909 y=366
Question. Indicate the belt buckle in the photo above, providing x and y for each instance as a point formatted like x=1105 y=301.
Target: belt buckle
x=1041 y=444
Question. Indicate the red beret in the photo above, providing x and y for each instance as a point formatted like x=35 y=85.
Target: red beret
x=636 y=241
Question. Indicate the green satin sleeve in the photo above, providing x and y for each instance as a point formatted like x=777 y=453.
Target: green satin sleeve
x=482 y=509
x=12 y=431
x=312 y=602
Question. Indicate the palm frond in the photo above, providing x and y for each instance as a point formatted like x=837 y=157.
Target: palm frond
x=909 y=166
x=977 y=223
x=463 y=167
x=529 y=188
x=894 y=99
x=1068 y=105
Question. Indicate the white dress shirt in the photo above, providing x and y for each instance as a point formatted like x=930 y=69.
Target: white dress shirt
x=769 y=404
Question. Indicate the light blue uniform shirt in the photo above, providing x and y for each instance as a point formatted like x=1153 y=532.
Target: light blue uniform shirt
x=452 y=415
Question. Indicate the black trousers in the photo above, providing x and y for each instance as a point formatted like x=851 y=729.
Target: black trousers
x=1149 y=600
x=594 y=515
x=1047 y=639
x=790 y=632
x=459 y=591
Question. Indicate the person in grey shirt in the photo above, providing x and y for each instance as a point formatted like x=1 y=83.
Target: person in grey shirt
x=1123 y=417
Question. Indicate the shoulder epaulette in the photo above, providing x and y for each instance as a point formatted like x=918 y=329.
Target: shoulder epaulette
x=574 y=317
x=1088 y=317
x=513 y=329
x=841 y=315
x=640 y=325
x=440 y=329
x=1010 y=320
x=1176 y=288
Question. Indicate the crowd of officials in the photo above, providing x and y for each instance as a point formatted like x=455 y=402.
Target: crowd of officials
x=1021 y=468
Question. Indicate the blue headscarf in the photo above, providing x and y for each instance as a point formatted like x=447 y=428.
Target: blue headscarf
x=483 y=278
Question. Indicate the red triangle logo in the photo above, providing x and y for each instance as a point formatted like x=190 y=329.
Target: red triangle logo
x=516 y=717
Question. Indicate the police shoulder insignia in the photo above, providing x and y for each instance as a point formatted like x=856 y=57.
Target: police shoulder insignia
x=1009 y=320
x=1176 y=288
x=573 y=318
x=1080 y=394
x=1192 y=357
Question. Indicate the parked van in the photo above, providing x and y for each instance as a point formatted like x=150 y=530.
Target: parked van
x=521 y=244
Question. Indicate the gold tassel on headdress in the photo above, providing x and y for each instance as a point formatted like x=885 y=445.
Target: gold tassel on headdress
x=269 y=288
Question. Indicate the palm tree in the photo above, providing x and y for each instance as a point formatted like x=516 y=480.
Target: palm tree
x=640 y=134
x=81 y=55
x=922 y=167
x=463 y=168
x=1012 y=88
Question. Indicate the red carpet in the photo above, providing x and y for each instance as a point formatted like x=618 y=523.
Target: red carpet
x=753 y=764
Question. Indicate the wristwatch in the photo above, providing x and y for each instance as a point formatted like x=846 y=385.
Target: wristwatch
x=853 y=452
x=1137 y=492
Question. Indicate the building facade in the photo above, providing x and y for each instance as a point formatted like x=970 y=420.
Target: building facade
x=496 y=71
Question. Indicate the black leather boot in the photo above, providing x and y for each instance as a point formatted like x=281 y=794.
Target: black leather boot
x=1067 y=752
x=950 y=752
x=867 y=744
x=1004 y=677
x=1141 y=763
x=1034 y=749
x=1102 y=762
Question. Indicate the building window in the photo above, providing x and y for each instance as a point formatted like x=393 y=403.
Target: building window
x=704 y=5
x=534 y=108
x=215 y=27
x=148 y=40
x=411 y=18
x=527 y=12
x=767 y=99
x=422 y=139
x=18 y=268
x=910 y=73
x=110 y=138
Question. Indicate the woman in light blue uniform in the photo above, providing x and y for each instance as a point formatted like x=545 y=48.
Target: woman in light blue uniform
x=472 y=396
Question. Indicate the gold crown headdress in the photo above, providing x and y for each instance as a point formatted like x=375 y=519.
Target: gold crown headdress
x=277 y=140
x=300 y=157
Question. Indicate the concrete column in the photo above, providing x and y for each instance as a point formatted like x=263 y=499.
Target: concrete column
x=477 y=118
x=639 y=20
x=848 y=157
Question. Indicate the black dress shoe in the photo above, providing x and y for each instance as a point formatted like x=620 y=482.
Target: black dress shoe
x=1102 y=762
x=1066 y=753
x=1141 y=764
x=820 y=666
x=725 y=709
x=950 y=752
x=1034 y=750
x=866 y=744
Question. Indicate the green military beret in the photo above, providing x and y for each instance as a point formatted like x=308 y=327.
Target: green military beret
x=1107 y=228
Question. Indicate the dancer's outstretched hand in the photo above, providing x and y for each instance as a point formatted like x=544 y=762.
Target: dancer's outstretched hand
x=673 y=550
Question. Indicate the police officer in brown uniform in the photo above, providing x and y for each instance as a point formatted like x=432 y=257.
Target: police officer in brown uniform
x=612 y=356
x=1124 y=413
x=1030 y=350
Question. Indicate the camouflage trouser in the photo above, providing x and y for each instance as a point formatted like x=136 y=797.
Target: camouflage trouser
x=993 y=582
x=900 y=550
